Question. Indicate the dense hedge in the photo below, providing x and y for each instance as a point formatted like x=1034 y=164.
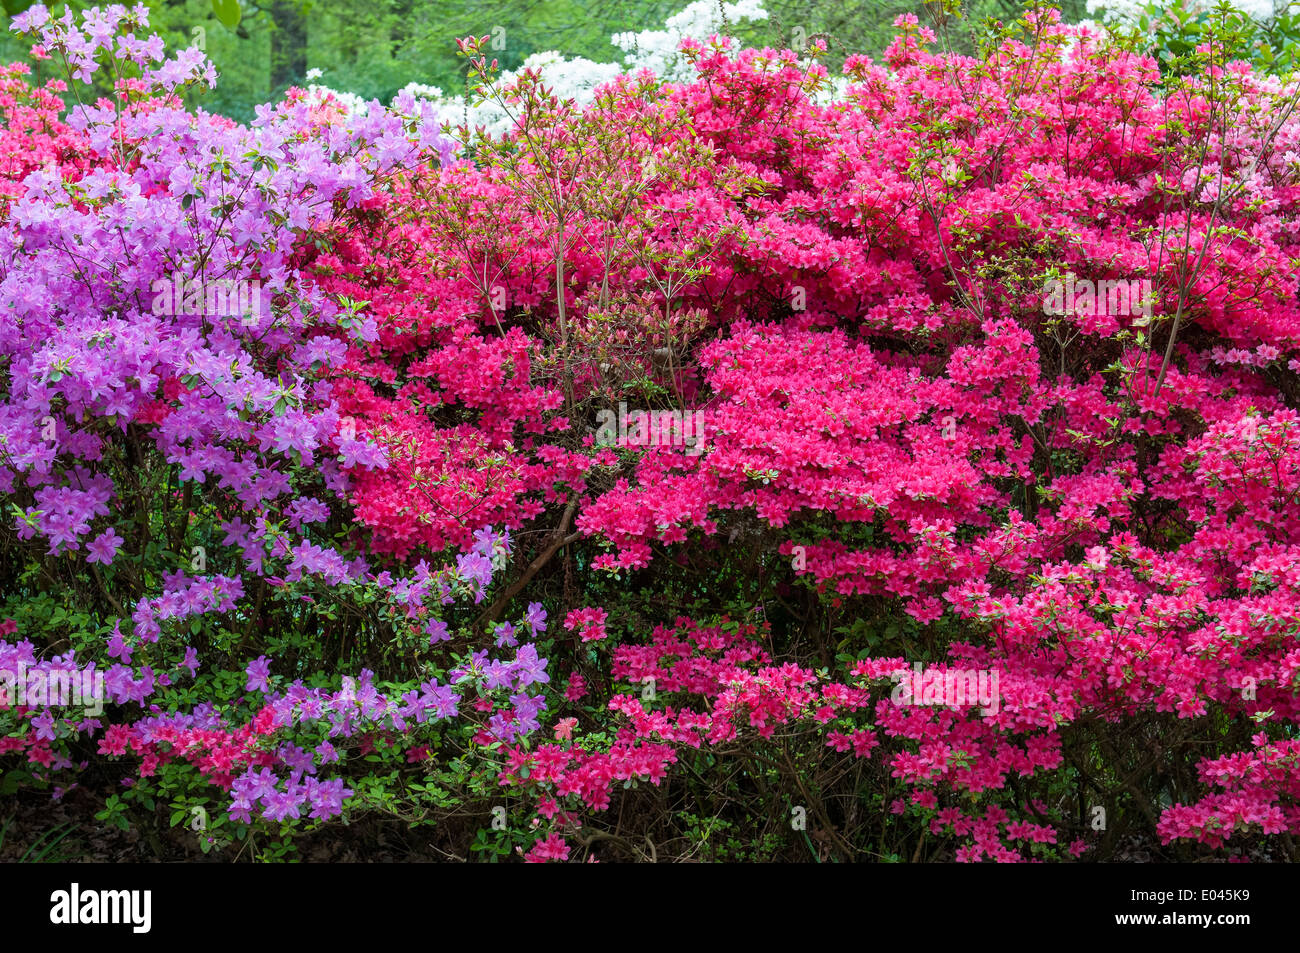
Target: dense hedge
x=749 y=468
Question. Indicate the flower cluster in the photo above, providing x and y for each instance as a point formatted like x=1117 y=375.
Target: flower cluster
x=1093 y=507
x=911 y=462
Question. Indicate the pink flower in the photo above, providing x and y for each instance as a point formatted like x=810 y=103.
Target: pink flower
x=549 y=848
x=589 y=622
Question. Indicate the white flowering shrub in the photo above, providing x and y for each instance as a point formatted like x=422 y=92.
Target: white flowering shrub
x=578 y=78
x=658 y=50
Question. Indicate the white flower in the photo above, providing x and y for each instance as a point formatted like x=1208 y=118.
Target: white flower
x=422 y=91
x=579 y=78
x=657 y=50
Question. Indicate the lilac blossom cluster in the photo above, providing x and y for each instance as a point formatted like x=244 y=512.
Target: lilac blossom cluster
x=102 y=392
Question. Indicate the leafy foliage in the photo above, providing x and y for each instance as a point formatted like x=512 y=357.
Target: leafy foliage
x=900 y=467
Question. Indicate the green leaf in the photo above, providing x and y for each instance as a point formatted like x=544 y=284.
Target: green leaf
x=227 y=12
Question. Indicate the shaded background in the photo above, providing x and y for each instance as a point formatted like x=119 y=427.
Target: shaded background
x=374 y=48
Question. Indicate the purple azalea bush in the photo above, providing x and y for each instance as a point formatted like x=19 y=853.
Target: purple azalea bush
x=177 y=468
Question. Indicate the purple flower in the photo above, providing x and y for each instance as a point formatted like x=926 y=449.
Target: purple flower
x=280 y=806
x=44 y=725
x=442 y=700
x=506 y=635
x=327 y=753
x=327 y=797
x=475 y=569
x=483 y=541
x=500 y=726
x=104 y=547
x=528 y=707
x=530 y=669
x=497 y=674
x=117 y=648
x=297 y=758
x=258 y=673
x=437 y=631
x=261 y=784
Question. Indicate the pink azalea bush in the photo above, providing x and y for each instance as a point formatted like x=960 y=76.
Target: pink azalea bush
x=1094 y=506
